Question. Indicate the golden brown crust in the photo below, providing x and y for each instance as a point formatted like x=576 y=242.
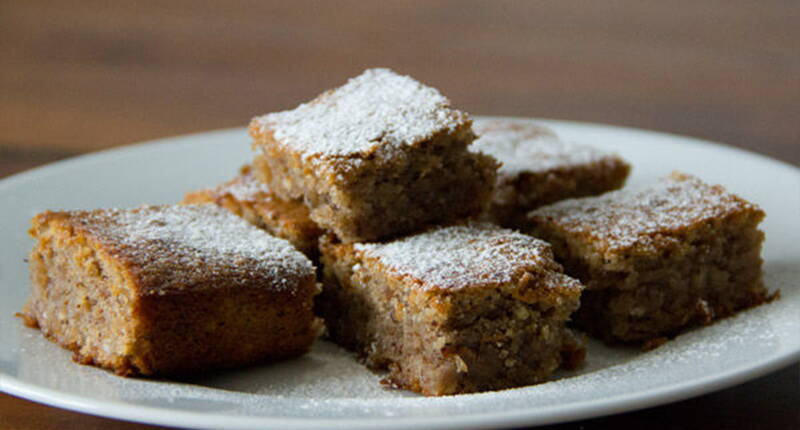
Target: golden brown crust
x=659 y=260
x=380 y=157
x=538 y=168
x=375 y=113
x=165 y=301
x=386 y=194
x=252 y=200
x=644 y=222
x=452 y=328
x=517 y=195
x=165 y=258
x=468 y=256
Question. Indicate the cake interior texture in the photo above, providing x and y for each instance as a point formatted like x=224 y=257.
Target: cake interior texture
x=539 y=168
x=658 y=261
x=436 y=181
x=484 y=331
x=153 y=304
x=381 y=156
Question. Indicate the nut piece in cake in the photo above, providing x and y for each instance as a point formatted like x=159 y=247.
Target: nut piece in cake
x=538 y=168
x=252 y=200
x=657 y=260
x=380 y=156
x=168 y=290
x=456 y=309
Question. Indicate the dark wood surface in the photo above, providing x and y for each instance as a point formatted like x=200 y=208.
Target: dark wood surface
x=78 y=76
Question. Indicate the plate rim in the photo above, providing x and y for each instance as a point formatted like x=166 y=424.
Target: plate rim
x=561 y=414
x=574 y=411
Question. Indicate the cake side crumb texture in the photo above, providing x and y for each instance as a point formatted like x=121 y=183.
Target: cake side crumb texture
x=162 y=290
x=181 y=242
x=525 y=147
x=455 y=309
x=377 y=108
x=622 y=219
x=472 y=255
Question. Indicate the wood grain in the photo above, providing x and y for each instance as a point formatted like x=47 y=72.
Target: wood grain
x=89 y=75
x=78 y=76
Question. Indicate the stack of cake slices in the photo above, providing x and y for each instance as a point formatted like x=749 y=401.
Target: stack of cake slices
x=457 y=256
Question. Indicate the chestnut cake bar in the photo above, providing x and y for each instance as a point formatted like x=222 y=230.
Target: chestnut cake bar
x=380 y=156
x=252 y=200
x=538 y=168
x=658 y=260
x=167 y=290
x=456 y=309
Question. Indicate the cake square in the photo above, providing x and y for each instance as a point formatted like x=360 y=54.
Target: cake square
x=538 y=168
x=657 y=260
x=456 y=309
x=252 y=200
x=380 y=156
x=168 y=290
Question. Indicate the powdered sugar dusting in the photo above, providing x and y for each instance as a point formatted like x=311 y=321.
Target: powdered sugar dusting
x=621 y=219
x=194 y=239
x=462 y=256
x=205 y=229
x=614 y=379
x=329 y=383
x=377 y=108
x=244 y=188
x=525 y=147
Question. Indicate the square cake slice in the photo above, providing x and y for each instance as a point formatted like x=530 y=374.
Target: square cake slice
x=380 y=156
x=168 y=290
x=538 y=168
x=252 y=200
x=456 y=309
x=657 y=260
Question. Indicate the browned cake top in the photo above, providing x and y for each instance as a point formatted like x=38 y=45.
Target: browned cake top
x=178 y=247
x=619 y=220
x=379 y=108
x=245 y=187
x=466 y=256
x=525 y=147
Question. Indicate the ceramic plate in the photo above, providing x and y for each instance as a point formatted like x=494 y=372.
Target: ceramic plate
x=327 y=388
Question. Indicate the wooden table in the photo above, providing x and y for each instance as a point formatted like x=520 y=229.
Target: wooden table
x=78 y=76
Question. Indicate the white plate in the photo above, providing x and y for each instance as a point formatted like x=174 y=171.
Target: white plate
x=326 y=388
